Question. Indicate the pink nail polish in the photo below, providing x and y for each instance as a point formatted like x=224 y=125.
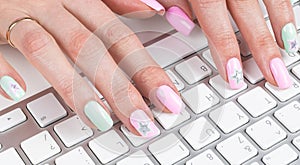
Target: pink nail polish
x=169 y=99
x=143 y=124
x=235 y=73
x=155 y=5
x=179 y=20
x=280 y=73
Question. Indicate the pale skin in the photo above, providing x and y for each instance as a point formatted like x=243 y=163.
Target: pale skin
x=88 y=38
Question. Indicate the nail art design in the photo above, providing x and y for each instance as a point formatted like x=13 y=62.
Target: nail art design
x=12 y=88
x=143 y=124
x=155 y=5
x=98 y=116
x=280 y=73
x=179 y=20
x=235 y=73
x=289 y=38
x=169 y=99
x=293 y=45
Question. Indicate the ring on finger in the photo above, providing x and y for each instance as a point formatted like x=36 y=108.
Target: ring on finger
x=12 y=25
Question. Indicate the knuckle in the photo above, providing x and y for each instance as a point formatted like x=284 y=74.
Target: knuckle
x=283 y=4
x=77 y=41
x=144 y=74
x=264 y=40
x=113 y=31
x=66 y=86
x=226 y=42
x=36 y=42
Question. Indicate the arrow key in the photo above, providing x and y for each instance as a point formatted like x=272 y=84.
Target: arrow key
x=11 y=119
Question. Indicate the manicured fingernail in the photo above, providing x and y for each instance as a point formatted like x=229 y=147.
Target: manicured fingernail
x=169 y=99
x=155 y=5
x=98 y=116
x=143 y=124
x=289 y=38
x=280 y=73
x=235 y=73
x=179 y=20
x=12 y=88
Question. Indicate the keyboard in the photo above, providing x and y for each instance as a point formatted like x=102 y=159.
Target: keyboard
x=257 y=124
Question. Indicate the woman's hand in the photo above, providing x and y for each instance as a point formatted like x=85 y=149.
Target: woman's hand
x=214 y=21
x=106 y=51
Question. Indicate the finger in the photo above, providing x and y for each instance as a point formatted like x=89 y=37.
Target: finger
x=89 y=53
x=135 y=8
x=132 y=58
x=12 y=85
x=179 y=15
x=222 y=40
x=41 y=50
x=283 y=24
x=251 y=23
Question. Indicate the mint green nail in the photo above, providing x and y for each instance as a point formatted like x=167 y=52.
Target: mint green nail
x=98 y=116
x=289 y=38
x=12 y=88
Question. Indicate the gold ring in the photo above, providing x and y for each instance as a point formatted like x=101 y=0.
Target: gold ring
x=12 y=25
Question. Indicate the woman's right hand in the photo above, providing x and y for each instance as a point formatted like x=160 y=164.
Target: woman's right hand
x=106 y=51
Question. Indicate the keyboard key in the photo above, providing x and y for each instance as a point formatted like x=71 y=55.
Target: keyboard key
x=289 y=116
x=40 y=147
x=237 y=149
x=11 y=119
x=286 y=94
x=223 y=88
x=174 y=48
x=252 y=71
x=78 y=133
x=200 y=98
x=243 y=45
x=134 y=139
x=176 y=81
x=193 y=70
x=171 y=120
x=46 y=110
x=289 y=58
x=282 y=155
x=207 y=56
x=206 y=157
x=10 y=156
x=254 y=163
x=296 y=142
x=229 y=117
x=266 y=133
x=77 y=156
x=199 y=133
x=296 y=71
x=257 y=101
x=137 y=158
x=297 y=16
x=108 y=146
x=168 y=150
